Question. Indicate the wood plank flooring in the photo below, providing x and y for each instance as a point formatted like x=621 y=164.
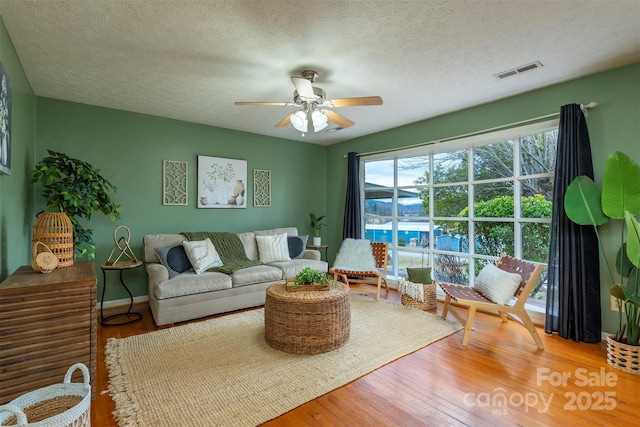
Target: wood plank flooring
x=501 y=379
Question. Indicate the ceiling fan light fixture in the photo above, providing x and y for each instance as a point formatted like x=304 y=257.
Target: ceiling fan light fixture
x=319 y=120
x=299 y=121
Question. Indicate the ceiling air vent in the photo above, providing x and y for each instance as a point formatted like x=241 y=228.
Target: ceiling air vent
x=518 y=70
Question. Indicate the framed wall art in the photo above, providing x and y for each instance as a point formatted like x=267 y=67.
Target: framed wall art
x=221 y=182
x=261 y=188
x=5 y=122
x=174 y=183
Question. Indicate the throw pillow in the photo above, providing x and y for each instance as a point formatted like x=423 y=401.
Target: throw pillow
x=175 y=259
x=497 y=285
x=297 y=246
x=355 y=255
x=202 y=254
x=273 y=248
x=419 y=275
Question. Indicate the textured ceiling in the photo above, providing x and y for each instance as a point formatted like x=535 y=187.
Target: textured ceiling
x=190 y=60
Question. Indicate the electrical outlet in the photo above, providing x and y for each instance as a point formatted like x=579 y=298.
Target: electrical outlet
x=614 y=304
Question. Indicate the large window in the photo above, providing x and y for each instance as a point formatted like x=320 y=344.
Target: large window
x=456 y=206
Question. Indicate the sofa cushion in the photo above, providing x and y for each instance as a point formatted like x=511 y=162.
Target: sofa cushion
x=297 y=246
x=248 y=240
x=496 y=284
x=152 y=241
x=257 y=274
x=273 y=248
x=191 y=283
x=202 y=254
x=175 y=259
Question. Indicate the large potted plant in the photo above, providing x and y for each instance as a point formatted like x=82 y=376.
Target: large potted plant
x=619 y=200
x=76 y=188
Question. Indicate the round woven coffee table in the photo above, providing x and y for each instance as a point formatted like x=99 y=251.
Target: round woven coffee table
x=307 y=322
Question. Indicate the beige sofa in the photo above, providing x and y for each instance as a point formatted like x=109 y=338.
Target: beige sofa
x=190 y=296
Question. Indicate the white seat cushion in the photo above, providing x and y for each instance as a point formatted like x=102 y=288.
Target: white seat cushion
x=496 y=284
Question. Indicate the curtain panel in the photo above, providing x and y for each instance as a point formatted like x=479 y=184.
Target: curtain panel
x=352 y=222
x=573 y=293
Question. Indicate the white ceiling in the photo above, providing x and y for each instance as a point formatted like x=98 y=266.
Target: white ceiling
x=190 y=60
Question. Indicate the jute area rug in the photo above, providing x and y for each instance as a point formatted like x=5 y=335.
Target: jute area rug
x=220 y=372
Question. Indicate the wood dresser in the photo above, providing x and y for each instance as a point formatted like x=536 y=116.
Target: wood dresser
x=48 y=322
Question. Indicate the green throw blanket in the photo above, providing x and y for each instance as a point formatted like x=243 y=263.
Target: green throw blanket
x=229 y=247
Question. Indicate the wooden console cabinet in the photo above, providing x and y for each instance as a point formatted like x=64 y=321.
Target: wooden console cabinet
x=48 y=322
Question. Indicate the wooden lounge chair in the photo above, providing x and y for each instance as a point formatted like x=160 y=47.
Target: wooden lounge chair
x=469 y=297
x=373 y=277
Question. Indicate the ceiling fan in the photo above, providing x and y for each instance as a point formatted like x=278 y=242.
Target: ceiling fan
x=315 y=105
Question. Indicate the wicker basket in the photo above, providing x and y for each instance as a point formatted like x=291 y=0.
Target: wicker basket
x=43 y=261
x=623 y=356
x=429 y=298
x=59 y=405
x=55 y=230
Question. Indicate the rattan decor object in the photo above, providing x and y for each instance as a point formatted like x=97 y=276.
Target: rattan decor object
x=623 y=356
x=55 y=230
x=429 y=302
x=43 y=261
x=308 y=322
x=66 y=404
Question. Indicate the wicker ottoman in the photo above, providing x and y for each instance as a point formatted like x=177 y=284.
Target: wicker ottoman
x=307 y=322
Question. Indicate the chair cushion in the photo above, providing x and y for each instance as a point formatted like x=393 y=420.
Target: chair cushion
x=202 y=254
x=419 y=275
x=355 y=255
x=496 y=284
x=273 y=248
x=297 y=246
x=175 y=259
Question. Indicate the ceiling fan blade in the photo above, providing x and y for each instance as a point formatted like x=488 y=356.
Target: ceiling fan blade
x=275 y=104
x=355 y=102
x=336 y=118
x=304 y=87
x=284 y=122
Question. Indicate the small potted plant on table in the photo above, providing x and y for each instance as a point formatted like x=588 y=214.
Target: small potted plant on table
x=308 y=280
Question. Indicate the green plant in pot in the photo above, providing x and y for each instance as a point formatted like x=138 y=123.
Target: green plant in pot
x=317 y=224
x=76 y=188
x=309 y=276
x=619 y=200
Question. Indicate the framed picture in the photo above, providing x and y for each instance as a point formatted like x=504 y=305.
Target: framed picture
x=221 y=182
x=5 y=122
x=261 y=188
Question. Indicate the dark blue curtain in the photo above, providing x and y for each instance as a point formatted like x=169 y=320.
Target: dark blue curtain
x=573 y=293
x=352 y=223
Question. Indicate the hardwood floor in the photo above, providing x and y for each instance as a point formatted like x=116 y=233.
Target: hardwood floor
x=501 y=379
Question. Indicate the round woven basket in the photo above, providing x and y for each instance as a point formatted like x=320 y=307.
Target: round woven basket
x=55 y=230
x=623 y=356
x=429 y=298
x=43 y=261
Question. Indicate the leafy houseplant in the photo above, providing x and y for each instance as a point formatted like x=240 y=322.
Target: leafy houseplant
x=76 y=188
x=585 y=204
x=317 y=224
x=309 y=276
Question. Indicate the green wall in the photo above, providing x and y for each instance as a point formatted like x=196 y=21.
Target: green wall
x=129 y=150
x=613 y=125
x=16 y=191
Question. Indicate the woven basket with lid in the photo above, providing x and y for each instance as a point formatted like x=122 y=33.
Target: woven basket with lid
x=55 y=230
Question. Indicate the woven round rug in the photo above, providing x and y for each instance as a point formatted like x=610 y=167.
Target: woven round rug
x=220 y=372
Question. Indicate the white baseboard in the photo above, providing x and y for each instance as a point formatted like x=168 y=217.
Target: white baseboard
x=123 y=302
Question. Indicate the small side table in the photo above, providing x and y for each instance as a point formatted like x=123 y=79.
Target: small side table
x=319 y=248
x=132 y=316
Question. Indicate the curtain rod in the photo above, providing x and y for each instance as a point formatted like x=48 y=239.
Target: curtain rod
x=583 y=107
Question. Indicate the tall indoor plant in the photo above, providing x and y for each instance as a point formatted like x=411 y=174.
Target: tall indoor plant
x=619 y=200
x=76 y=188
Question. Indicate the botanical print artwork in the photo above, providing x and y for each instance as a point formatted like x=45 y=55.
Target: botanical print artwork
x=5 y=122
x=221 y=182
